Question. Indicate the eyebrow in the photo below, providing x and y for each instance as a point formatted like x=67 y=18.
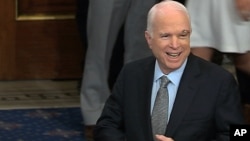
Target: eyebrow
x=186 y=31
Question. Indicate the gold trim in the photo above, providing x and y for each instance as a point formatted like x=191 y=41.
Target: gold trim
x=35 y=17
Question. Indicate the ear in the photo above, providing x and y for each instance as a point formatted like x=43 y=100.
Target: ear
x=148 y=38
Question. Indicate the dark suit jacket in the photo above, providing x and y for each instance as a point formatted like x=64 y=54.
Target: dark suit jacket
x=207 y=102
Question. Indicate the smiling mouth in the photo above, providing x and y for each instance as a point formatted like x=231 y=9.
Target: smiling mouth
x=173 y=54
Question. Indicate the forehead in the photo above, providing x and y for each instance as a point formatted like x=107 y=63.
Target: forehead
x=172 y=19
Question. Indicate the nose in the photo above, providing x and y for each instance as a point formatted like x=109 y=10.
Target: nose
x=174 y=42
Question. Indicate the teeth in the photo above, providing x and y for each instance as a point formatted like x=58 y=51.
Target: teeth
x=173 y=54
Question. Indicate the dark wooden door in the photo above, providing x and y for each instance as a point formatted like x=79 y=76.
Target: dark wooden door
x=39 y=40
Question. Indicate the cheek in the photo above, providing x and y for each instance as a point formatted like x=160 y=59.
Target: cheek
x=154 y=45
x=186 y=46
x=186 y=42
x=187 y=49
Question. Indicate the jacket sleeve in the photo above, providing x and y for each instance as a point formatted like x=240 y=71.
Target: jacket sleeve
x=228 y=109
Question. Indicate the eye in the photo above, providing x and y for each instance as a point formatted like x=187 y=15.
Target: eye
x=184 y=34
x=164 y=35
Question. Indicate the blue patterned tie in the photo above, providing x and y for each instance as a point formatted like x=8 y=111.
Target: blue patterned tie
x=160 y=111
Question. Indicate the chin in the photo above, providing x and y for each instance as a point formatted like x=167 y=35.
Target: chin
x=175 y=66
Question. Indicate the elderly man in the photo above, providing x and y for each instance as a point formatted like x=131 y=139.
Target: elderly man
x=172 y=95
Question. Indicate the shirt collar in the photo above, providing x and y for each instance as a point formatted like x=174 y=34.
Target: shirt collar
x=173 y=76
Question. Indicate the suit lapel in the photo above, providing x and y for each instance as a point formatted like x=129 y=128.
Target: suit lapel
x=185 y=94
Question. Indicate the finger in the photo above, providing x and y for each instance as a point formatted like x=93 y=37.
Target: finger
x=163 y=138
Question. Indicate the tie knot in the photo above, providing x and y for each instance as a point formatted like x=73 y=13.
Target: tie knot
x=164 y=81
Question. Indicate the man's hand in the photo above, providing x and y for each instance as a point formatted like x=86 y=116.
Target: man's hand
x=163 y=138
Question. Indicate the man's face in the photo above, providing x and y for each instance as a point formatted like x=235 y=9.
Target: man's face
x=170 y=39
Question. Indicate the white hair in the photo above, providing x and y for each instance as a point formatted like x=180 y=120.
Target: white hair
x=165 y=4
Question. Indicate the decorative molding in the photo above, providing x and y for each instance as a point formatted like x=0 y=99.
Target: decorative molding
x=22 y=15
